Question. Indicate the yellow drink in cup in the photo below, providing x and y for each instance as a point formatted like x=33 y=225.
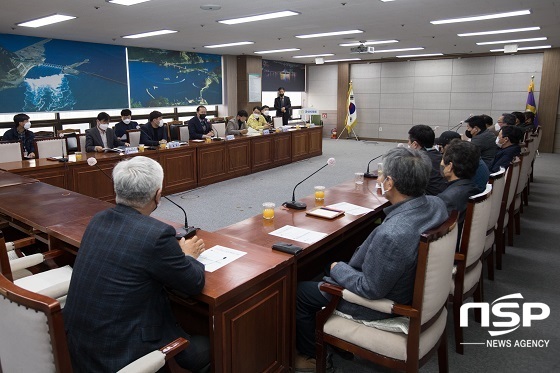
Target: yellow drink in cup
x=319 y=193
x=78 y=157
x=141 y=148
x=268 y=210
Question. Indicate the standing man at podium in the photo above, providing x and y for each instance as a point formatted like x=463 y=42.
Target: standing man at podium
x=283 y=106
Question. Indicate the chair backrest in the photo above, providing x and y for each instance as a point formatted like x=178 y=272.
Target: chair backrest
x=10 y=152
x=436 y=252
x=474 y=230
x=183 y=133
x=82 y=139
x=523 y=171
x=277 y=121
x=50 y=148
x=67 y=131
x=514 y=168
x=220 y=128
x=133 y=137
x=498 y=181
x=72 y=142
x=174 y=131
x=34 y=324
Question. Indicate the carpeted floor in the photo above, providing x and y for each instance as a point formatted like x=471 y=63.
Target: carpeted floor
x=530 y=266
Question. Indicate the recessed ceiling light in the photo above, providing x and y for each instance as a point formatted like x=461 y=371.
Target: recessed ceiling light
x=369 y=42
x=277 y=50
x=344 y=59
x=334 y=33
x=229 y=44
x=524 y=48
x=420 y=55
x=500 y=31
x=49 y=20
x=511 y=41
x=210 y=7
x=315 y=55
x=260 y=17
x=482 y=17
x=149 y=33
x=386 y=1
x=398 y=50
x=127 y=2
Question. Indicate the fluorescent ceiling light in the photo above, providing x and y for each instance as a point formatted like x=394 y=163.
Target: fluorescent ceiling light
x=49 y=20
x=511 y=41
x=229 y=44
x=344 y=59
x=315 y=55
x=334 y=33
x=399 y=50
x=386 y=1
x=126 y=2
x=369 y=42
x=482 y=17
x=277 y=50
x=148 y=34
x=420 y=55
x=500 y=31
x=260 y=17
x=524 y=48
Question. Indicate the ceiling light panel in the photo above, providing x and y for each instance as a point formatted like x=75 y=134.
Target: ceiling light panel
x=277 y=51
x=334 y=33
x=420 y=55
x=149 y=33
x=260 y=17
x=398 y=50
x=229 y=44
x=482 y=17
x=512 y=30
x=126 y=2
x=524 y=48
x=315 y=55
x=512 y=41
x=44 y=21
x=344 y=60
x=369 y=42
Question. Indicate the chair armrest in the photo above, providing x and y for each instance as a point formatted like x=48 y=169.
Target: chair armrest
x=26 y=262
x=380 y=305
x=404 y=310
x=155 y=360
x=51 y=254
x=27 y=241
x=459 y=257
x=331 y=289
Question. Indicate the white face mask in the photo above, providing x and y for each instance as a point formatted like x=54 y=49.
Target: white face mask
x=256 y=116
x=383 y=191
x=126 y=121
x=27 y=125
x=265 y=112
x=160 y=124
x=497 y=127
x=498 y=142
x=103 y=126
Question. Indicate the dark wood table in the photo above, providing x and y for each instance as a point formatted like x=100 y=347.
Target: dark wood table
x=9 y=179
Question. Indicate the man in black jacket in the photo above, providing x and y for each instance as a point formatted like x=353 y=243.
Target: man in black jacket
x=422 y=137
x=283 y=106
x=508 y=141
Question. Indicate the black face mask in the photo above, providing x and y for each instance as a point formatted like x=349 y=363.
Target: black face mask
x=281 y=95
x=468 y=134
x=202 y=116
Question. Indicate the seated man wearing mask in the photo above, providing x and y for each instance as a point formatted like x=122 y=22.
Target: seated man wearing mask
x=265 y=111
x=508 y=141
x=384 y=265
x=117 y=308
x=237 y=125
x=199 y=127
x=256 y=121
x=458 y=166
x=20 y=132
x=101 y=136
x=125 y=124
x=421 y=137
x=485 y=140
x=153 y=132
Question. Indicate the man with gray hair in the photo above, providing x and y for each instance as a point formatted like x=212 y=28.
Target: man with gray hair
x=384 y=265
x=117 y=308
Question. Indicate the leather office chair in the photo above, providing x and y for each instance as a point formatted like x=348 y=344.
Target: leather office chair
x=467 y=280
x=11 y=151
x=498 y=181
x=72 y=143
x=50 y=148
x=62 y=133
x=133 y=137
x=53 y=283
x=171 y=129
x=32 y=336
x=427 y=314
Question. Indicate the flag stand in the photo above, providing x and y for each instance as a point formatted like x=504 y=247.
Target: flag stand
x=351 y=118
x=351 y=132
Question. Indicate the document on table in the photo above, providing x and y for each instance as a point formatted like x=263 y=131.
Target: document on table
x=298 y=234
x=350 y=208
x=218 y=256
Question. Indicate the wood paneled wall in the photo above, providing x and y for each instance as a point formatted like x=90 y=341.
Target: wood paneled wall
x=548 y=100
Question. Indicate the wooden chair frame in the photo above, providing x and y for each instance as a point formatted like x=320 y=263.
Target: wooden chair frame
x=488 y=255
x=500 y=229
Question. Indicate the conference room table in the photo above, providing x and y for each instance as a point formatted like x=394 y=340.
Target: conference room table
x=9 y=179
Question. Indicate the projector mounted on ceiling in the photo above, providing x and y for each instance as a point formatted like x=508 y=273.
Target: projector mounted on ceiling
x=362 y=49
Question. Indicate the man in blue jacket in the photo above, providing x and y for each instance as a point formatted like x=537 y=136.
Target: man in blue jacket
x=20 y=132
x=508 y=141
x=384 y=265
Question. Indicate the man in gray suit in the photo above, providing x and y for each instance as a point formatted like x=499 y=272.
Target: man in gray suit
x=384 y=265
x=117 y=308
x=101 y=136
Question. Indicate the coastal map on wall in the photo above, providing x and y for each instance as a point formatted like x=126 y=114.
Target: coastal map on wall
x=161 y=78
x=46 y=75
x=277 y=74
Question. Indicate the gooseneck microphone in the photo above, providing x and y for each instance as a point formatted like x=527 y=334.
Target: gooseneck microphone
x=372 y=175
x=186 y=232
x=293 y=204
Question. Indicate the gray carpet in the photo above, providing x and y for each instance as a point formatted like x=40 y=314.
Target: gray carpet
x=530 y=266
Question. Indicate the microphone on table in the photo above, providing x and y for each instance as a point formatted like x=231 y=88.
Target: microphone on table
x=372 y=175
x=93 y=162
x=216 y=135
x=187 y=231
x=63 y=158
x=455 y=128
x=293 y=204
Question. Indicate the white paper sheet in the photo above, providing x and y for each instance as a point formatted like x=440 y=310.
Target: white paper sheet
x=350 y=208
x=218 y=256
x=298 y=234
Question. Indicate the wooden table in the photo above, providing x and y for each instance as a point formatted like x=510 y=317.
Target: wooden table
x=9 y=179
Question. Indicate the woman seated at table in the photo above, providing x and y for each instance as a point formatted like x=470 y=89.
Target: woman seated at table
x=256 y=121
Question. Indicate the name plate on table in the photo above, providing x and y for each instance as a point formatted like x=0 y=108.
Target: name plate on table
x=230 y=137
x=309 y=111
x=173 y=144
x=266 y=132
x=131 y=150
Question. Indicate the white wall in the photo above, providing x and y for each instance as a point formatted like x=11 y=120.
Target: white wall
x=393 y=96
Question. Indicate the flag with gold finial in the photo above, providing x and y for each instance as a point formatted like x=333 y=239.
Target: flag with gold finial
x=531 y=105
x=351 y=115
